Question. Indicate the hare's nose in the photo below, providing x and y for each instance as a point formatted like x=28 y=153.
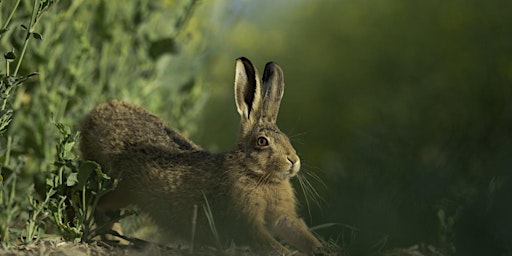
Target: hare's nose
x=293 y=159
x=295 y=162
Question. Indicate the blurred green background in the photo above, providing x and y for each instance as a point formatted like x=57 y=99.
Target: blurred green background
x=402 y=108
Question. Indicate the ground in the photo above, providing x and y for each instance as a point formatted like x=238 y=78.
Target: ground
x=57 y=246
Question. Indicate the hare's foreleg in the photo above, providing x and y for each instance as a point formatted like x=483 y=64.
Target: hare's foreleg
x=296 y=233
x=265 y=242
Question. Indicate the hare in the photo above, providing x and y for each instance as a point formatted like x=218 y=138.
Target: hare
x=247 y=189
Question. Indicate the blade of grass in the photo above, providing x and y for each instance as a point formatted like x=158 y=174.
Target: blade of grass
x=211 y=222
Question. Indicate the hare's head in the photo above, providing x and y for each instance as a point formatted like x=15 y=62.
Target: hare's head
x=267 y=152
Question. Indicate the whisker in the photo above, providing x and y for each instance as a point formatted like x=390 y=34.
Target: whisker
x=300 y=134
x=312 y=191
x=315 y=176
x=309 y=183
x=306 y=197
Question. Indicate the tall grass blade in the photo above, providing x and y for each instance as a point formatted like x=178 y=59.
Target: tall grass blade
x=211 y=222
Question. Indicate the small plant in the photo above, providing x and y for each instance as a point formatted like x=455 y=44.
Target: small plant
x=35 y=226
x=9 y=83
x=74 y=188
x=9 y=207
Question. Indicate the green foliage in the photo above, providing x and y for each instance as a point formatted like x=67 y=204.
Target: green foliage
x=9 y=83
x=74 y=189
x=9 y=203
x=126 y=51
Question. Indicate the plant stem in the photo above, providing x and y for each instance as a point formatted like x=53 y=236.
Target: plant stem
x=10 y=16
x=27 y=38
x=8 y=151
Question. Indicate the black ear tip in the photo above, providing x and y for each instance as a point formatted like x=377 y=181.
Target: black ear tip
x=270 y=69
x=243 y=59
x=270 y=65
x=247 y=65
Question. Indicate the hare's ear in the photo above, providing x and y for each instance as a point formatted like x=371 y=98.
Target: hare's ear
x=247 y=90
x=273 y=89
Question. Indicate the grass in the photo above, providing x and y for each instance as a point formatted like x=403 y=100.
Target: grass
x=211 y=223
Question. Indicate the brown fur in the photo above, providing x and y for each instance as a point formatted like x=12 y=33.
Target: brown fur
x=164 y=174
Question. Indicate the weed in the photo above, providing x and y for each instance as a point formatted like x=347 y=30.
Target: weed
x=9 y=207
x=39 y=8
x=74 y=188
x=9 y=83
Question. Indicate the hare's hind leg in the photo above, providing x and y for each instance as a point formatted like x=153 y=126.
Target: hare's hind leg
x=108 y=210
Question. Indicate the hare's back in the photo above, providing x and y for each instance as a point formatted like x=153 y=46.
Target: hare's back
x=115 y=126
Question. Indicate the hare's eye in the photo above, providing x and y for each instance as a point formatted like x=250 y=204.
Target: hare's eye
x=262 y=141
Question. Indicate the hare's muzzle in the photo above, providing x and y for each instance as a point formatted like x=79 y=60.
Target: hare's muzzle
x=295 y=165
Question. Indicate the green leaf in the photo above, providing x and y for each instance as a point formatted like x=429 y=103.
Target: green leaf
x=101 y=174
x=63 y=129
x=5 y=119
x=32 y=74
x=68 y=146
x=162 y=46
x=85 y=170
x=50 y=182
x=10 y=56
x=72 y=179
x=37 y=36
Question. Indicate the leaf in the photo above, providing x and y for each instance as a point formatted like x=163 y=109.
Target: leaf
x=101 y=174
x=68 y=146
x=85 y=170
x=63 y=129
x=5 y=119
x=51 y=182
x=10 y=55
x=162 y=46
x=37 y=36
x=72 y=179
x=32 y=74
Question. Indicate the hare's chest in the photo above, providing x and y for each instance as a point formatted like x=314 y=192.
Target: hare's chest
x=264 y=203
x=280 y=201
